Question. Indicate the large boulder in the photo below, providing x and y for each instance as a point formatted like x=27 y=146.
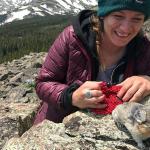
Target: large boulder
x=82 y=130
x=79 y=131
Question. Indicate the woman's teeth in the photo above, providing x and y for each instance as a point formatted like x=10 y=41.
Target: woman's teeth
x=121 y=35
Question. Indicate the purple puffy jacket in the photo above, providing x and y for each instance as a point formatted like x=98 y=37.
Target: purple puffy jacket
x=66 y=63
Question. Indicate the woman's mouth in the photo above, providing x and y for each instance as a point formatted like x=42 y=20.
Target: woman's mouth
x=122 y=35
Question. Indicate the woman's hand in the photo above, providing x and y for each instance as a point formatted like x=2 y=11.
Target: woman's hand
x=134 y=88
x=80 y=100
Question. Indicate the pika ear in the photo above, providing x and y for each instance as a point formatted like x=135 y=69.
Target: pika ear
x=139 y=115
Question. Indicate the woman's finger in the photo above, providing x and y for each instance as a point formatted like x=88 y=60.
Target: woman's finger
x=96 y=100
x=123 y=90
x=130 y=93
x=138 y=96
x=92 y=85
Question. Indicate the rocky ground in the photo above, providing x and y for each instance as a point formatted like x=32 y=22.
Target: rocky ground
x=19 y=103
x=18 y=100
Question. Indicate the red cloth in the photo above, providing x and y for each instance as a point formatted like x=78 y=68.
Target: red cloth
x=111 y=99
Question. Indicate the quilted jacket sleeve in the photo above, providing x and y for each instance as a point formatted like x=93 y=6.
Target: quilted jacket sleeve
x=51 y=80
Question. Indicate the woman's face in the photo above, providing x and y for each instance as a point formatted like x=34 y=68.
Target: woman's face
x=122 y=26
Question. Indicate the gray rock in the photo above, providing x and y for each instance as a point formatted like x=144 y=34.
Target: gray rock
x=79 y=131
x=15 y=119
x=146 y=28
x=19 y=101
x=5 y=75
x=16 y=78
x=13 y=77
x=17 y=93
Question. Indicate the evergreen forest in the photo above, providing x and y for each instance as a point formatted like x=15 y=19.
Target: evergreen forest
x=30 y=35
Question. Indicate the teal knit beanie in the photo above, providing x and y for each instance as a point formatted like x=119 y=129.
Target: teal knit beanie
x=107 y=6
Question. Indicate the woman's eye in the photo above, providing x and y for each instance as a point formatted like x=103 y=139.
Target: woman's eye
x=137 y=20
x=118 y=16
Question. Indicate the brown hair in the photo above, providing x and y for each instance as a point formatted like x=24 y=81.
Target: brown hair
x=98 y=28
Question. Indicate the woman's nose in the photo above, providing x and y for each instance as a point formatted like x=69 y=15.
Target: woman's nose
x=126 y=26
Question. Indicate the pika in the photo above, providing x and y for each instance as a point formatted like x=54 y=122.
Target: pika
x=136 y=118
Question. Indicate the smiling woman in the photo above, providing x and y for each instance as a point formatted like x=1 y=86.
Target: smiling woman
x=104 y=46
x=121 y=27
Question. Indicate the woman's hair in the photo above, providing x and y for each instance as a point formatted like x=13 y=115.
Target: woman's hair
x=97 y=26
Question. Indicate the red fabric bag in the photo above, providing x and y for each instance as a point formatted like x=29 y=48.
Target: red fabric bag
x=111 y=99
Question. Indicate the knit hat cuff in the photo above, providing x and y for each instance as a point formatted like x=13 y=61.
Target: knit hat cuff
x=106 y=7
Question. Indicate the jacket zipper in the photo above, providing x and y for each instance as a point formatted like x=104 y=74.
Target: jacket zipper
x=112 y=74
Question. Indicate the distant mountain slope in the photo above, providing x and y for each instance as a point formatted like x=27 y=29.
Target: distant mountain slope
x=11 y=10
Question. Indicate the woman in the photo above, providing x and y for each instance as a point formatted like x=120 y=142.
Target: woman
x=106 y=45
